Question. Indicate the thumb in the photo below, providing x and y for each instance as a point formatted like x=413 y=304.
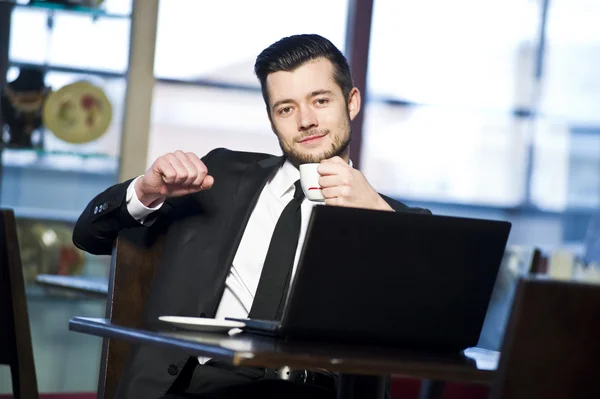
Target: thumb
x=207 y=182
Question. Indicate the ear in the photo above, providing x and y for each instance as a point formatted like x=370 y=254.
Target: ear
x=354 y=103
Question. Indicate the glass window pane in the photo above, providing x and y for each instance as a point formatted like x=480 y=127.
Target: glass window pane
x=29 y=39
x=104 y=45
x=76 y=40
x=571 y=81
x=584 y=169
x=117 y=7
x=550 y=164
x=195 y=42
x=440 y=154
x=566 y=166
x=465 y=52
x=199 y=119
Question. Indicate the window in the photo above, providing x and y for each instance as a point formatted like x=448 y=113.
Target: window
x=571 y=81
x=71 y=39
x=199 y=119
x=444 y=81
x=441 y=154
x=467 y=53
x=219 y=41
x=567 y=142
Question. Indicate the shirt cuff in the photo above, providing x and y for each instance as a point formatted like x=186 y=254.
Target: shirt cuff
x=136 y=209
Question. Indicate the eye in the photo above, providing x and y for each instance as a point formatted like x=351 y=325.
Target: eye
x=285 y=110
x=322 y=101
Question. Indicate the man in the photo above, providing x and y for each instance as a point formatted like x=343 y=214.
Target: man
x=220 y=213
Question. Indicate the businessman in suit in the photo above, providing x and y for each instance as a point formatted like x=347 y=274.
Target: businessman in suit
x=232 y=217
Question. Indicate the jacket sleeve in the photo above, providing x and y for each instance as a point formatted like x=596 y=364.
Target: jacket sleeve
x=103 y=218
x=106 y=216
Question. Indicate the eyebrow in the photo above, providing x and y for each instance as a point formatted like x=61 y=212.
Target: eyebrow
x=312 y=94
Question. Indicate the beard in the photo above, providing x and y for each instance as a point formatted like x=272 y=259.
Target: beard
x=339 y=145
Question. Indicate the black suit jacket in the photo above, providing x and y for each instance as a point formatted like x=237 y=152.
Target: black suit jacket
x=203 y=231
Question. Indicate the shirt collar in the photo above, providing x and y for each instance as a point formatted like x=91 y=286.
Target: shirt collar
x=284 y=179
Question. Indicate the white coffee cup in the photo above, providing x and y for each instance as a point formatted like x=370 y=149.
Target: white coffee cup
x=309 y=179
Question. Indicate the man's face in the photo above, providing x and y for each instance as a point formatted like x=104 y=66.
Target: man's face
x=309 y=114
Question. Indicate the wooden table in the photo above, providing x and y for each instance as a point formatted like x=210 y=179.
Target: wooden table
x=362 y=369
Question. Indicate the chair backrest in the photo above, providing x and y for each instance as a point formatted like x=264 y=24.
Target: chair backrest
x=15 y=335
x=517 y=262
x=551 y=347
x=132 y=269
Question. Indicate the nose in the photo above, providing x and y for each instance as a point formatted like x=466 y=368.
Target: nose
x=307 y=119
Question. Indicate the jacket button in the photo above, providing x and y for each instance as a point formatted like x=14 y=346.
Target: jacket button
x=173 y=369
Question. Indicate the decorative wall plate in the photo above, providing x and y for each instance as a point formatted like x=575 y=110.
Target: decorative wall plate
x=78 y=112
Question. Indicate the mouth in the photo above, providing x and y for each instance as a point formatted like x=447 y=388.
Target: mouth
x=312 y=138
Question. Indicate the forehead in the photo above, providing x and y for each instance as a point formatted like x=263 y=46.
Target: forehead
x=311 y=76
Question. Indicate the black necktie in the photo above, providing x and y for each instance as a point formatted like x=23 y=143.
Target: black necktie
x=276 y=274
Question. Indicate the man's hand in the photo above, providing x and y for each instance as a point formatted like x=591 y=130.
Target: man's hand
x=173 y=175
x=342 y=185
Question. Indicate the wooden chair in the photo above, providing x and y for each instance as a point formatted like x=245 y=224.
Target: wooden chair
x=131 y=272
x=531 y=261
x=551 y=348
x=15 y=336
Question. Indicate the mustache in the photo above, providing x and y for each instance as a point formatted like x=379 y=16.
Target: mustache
x=311 y=133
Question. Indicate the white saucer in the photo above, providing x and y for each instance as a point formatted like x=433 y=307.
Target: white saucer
x=202 y=323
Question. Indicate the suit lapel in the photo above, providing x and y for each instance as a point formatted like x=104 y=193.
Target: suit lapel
x=252 y=181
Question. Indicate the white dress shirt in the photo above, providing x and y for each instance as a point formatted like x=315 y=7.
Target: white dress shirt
x=242 y=280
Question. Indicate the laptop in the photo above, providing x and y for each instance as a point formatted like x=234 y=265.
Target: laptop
x=404 y=279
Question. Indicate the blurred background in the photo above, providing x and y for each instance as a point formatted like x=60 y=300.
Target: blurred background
x=474 y=108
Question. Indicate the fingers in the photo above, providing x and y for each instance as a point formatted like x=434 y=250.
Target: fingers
x=191 y=170
x=335 y=160
x=333 y=166
x=201 y=172
x=337 y=201
x=334 y=174
x=165 y=169
x=335 y=192
x=335 y=180
x=207 y=182
x=330 y=169
x=333 y=202
x=342 y=185
x=184 y=169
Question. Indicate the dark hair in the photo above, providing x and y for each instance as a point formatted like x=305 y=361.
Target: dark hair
x=292 y=52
